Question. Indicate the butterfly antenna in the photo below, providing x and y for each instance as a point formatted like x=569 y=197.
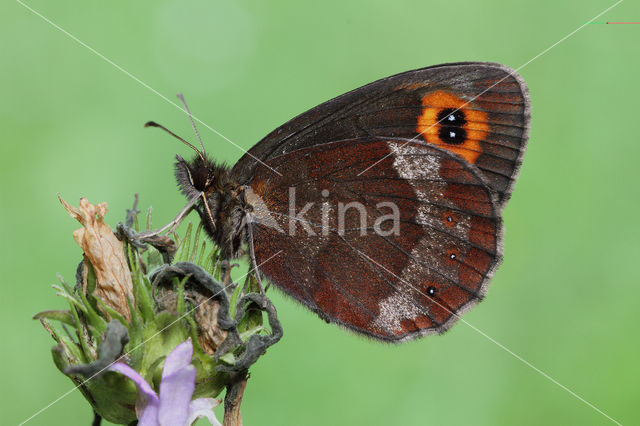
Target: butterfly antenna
x=193 y=124
x=160 y=126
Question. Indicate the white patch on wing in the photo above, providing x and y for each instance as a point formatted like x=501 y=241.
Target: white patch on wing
x=413 y=162
x=394 y=309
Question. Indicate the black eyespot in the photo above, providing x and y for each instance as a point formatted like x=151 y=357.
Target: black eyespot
x=452 y=117
x=449 y=219
x=431 y=290
x=453 y=256
x=452 y=135
x=451 y=123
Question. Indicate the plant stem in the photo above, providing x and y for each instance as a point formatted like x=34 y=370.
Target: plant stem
x=237 y=383
x=97 y=419
x=233 y=399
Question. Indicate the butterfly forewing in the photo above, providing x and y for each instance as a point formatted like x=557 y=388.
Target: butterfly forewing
x=396 y=252
x=478 y=111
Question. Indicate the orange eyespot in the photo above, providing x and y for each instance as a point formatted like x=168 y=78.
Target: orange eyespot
x=447 y=121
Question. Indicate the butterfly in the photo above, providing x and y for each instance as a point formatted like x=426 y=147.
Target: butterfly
x=379 y=210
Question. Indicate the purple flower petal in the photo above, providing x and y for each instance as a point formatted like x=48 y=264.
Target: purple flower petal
x=203 y=407
x=140 y=382
x=147 y=412
x=173 y=406
x=178 y=358
x=176 y=391
x=148 y=402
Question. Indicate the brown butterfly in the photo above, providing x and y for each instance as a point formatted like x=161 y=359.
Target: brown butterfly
x=380 y=210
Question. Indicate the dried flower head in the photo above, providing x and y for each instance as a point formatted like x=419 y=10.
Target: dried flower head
x=105 y=253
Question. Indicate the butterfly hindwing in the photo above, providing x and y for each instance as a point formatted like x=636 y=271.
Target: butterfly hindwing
x=349 y=264
x=479 y=111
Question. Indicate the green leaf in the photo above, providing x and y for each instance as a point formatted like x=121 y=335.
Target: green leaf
x=149 y=216
x=228 y=358
x=245 y=335
x=71 y=347
x=182 y=253
x=154 y=258
x=113 y=313
x=135 y=319
x=62 y=316
x=144 y=299
x=211 y=264
x=237 y=292
x=136 y=224
x=87 y=352
x=73 y=301
x=196 y=240
x=140 y=289
x=94 y=319
x=252 y=284
x=193 y=328
x=203 y=249
x=66 y=286
x=180 y=305
x=136 y=337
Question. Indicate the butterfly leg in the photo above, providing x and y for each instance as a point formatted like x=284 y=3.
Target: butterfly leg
x=175 y=222
x=208 y=210
x=252 y=255
x=164 y=244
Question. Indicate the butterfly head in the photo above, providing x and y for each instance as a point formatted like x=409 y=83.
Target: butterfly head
x=197 y=176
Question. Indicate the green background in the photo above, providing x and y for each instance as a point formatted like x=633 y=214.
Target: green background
x=565 y=299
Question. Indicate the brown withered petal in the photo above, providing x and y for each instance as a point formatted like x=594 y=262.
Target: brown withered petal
x=105 y=252
x=206 y=316
x=210 y=336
